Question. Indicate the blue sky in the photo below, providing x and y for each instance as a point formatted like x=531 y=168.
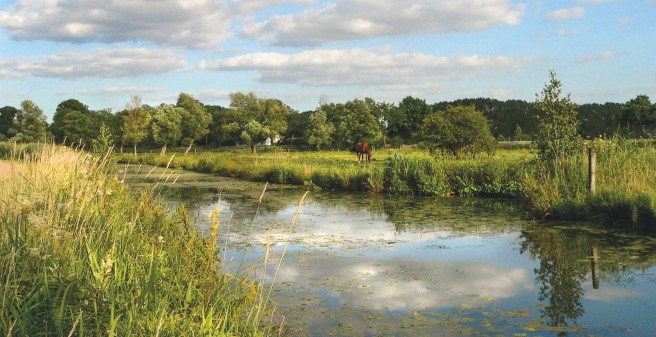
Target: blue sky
x=102 y=52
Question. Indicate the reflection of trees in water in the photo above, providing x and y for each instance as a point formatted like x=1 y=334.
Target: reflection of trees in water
x=567 y=255
x=560 y=275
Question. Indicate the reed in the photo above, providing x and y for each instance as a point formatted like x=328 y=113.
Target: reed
x=81 y=255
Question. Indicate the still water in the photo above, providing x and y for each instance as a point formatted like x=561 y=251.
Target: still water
x=378 y=265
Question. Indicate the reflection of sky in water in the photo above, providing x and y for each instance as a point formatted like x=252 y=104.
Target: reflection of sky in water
x=350 y=257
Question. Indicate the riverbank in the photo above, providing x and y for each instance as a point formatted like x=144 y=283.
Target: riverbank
x=81 y=255
x=625 y=194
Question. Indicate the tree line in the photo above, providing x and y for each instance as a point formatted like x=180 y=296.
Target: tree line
x=252 y=120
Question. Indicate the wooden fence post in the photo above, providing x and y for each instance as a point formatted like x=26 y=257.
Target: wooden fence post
x=592 y=170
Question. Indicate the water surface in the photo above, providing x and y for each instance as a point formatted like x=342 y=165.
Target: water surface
x=377 y=265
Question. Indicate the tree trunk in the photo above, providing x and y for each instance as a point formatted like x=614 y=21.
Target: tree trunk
x=253 y=150
x=135 y=149
x=163 y=151
x=189 y=148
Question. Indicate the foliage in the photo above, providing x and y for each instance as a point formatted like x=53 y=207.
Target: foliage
x=104 y=141
x=639 y=115
x=356 y=123
x=557 y=136
x=7 y=116
x=30 y=124
x=195 y=119
x=81 y=255
x=136 y=122
x=165 y=126
x=256 y=120
x=456 y=129
x=319 y=130
x=73 y=122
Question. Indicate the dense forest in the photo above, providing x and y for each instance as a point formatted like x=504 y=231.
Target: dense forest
x=250 y=120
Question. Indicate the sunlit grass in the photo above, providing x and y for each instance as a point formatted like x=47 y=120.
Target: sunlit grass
x=80 y=255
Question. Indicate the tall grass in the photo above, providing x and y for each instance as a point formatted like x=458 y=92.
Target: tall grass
x=80 y=255
x=625 y=185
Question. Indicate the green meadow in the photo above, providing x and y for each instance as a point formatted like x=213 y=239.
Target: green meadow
x=625 y=181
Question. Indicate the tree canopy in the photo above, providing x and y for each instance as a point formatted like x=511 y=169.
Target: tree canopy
x=30 y=124
x=457 y=129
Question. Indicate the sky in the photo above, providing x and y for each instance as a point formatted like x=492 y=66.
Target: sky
x=102 y=52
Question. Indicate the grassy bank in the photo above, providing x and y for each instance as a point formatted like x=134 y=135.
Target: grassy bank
x=79 y=255
x=407 y=171
x=626 y=177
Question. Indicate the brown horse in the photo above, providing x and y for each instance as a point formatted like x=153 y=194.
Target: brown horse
x=362 y=148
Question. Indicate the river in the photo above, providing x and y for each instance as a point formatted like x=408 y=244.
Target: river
x=380 y=265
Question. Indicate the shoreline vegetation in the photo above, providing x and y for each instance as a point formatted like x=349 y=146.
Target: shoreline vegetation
x=81 y=255
x=625 y=181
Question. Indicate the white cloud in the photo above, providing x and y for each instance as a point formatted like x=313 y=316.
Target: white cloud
x=363 y=19
x=249 y=6
x=363 y=67
x=198 y=23
x=566 y=14
x=597 y=57
x=101 y=63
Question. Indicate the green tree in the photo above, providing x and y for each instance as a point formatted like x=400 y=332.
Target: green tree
x=30 y=124
x=165 y=126
x=357 y=123
x=639 y=114
x=196 y=120
x=136 y=122
x=7 y=117
x=319 y=130
x=413 y=111
x=298 y=128
x=456 y=129
x=74 y=122
x=104 y=141
x=557 y=136
x=255 y=119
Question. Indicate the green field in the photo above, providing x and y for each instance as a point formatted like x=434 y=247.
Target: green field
x=625 y=193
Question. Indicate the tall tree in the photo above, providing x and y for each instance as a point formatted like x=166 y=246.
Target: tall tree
x=74 y=122
x=413 y=110
x=195 y=121
x=639 y=114
x=7 y=117
x=30 y=124
x=357 y=123
x=557 y=136
x=136 y=122
x=165 y=126
x=319 y=130
x=257 y=120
